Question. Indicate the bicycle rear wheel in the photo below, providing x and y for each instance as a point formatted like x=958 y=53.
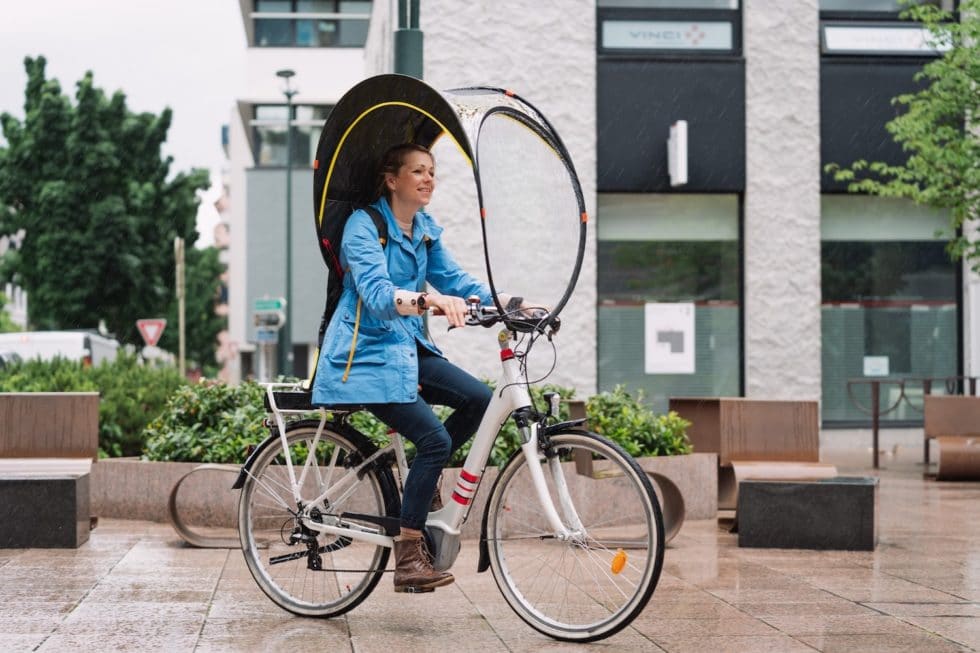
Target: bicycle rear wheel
x=596 y=582
x=302 y=571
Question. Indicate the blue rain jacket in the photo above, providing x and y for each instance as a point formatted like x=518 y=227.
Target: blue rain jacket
x=384 y=368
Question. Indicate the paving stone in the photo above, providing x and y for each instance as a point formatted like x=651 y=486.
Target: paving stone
x=134 y=586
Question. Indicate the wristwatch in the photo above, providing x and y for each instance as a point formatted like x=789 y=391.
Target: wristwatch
x=422 y=304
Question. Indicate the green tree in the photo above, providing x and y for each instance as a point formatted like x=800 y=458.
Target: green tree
x=89 y=185
x=202 y=269
x=938 y=130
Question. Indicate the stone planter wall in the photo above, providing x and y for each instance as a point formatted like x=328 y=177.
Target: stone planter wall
x=695 y=475
x=128 y=488
x=134 y=489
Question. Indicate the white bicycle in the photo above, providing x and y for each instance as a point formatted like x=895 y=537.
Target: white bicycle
x=572 y=530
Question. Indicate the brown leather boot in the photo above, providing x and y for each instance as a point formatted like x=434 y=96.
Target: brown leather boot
x=437 y=497
x=413 y=571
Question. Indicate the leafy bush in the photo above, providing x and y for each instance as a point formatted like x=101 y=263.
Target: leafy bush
x=625 y=420
x=131 y=393
x=209 y=422
x=214 y=422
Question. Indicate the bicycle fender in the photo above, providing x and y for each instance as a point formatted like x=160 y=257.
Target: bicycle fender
x=273 y=438
x=562 y=426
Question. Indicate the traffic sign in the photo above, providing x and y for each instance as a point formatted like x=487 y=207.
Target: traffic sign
x=264 y=334
x=269 y=304
x=151 y=330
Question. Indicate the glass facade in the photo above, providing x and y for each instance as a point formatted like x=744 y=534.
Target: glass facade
x=657 y=252
x=311 y=23
x=269 y=133
x=889 y=301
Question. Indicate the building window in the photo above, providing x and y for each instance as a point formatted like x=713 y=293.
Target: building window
x=311 y=23
x=889 y=301
x=269 y=133
x=663 y=258
x=894 y=7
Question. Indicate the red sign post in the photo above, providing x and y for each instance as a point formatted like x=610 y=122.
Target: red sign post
x=151 y=330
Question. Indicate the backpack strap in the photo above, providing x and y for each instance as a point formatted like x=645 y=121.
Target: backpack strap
x=379 y=223
x=382 y=226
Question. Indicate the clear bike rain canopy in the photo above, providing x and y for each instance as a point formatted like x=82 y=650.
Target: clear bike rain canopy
x=530 y=206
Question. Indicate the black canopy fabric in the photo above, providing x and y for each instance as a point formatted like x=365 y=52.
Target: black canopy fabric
x=387 y=110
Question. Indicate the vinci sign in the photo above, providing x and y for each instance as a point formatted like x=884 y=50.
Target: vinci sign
x=666 y=35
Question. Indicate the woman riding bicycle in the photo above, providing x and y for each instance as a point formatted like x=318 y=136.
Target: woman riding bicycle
x=375 y=351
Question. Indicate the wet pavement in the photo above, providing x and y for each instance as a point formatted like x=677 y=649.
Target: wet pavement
x=135 y=586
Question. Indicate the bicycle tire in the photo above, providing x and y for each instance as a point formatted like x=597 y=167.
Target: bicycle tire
x=350 y=569
x=572 y=590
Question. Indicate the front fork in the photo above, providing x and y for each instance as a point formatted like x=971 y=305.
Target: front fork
x=571 y=525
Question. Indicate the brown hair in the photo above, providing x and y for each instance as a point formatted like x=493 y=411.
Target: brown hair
x=393 y=160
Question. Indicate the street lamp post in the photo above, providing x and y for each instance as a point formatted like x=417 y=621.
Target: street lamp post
x=408 y=40
x=285 y=340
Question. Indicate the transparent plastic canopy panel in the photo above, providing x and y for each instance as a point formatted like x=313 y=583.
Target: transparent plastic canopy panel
x=531 y=206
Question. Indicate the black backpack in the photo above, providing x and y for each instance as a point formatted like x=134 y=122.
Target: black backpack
x=335 y=272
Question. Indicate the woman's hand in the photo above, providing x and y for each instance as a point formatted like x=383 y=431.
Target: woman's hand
x=454 y=308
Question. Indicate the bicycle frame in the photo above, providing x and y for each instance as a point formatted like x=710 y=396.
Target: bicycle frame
x=510 y=399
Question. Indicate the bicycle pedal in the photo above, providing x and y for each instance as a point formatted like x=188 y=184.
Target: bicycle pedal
x=411 y=589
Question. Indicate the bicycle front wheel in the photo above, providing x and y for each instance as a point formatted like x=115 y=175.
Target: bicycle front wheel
x=303 y=571
x=594 y=583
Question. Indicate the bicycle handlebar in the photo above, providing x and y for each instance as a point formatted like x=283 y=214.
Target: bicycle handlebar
x=526 y=320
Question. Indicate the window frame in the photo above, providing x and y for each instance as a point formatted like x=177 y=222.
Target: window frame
x=292 y=18
x=255 y=123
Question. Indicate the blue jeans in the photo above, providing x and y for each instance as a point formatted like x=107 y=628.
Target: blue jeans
x=445 y=384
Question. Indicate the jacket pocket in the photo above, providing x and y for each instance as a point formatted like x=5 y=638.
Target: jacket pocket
x=369 y=346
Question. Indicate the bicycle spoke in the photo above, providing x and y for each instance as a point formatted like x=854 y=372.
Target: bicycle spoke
x=575 y=588
x=348 y=568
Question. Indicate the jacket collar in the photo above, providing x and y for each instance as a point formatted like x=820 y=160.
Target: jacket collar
x=423 y=225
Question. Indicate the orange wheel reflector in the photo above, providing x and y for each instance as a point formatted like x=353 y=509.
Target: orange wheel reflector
x=618 y=561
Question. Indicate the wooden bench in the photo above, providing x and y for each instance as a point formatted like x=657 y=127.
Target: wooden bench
x=755 y=438
x=48 y=441
x=953 y=421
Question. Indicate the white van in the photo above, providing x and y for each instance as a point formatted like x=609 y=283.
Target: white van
x=82 y=346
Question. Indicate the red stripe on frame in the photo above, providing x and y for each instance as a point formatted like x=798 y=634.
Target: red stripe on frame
x=460 y=499
x=466 y=476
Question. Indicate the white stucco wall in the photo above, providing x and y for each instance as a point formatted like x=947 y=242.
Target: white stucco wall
x=782 y=200
x=240 y=157
x=545 y=52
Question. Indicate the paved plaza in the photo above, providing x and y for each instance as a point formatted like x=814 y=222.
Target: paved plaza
x=134 y=586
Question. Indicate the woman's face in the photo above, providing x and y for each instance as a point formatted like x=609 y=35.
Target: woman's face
x=415 y=181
